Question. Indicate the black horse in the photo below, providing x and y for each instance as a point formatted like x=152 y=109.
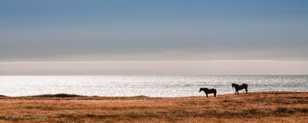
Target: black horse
x=208 y=91
x=238 y=87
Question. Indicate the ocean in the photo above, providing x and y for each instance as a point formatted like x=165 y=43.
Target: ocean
x=146 y=85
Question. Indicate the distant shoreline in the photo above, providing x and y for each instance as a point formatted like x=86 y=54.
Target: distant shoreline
x=299 y=74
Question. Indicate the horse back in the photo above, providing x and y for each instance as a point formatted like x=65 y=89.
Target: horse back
x=204 y=89
x=213 y=90
x=245 y=85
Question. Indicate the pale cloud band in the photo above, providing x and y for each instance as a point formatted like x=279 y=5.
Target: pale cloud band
x=155 y=67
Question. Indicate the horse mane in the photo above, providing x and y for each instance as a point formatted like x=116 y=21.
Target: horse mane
x=203 y=89
x=234 y=85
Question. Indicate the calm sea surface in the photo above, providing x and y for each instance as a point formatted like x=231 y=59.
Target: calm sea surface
x=156 y=86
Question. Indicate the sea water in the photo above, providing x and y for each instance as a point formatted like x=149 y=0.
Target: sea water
x=147 y=85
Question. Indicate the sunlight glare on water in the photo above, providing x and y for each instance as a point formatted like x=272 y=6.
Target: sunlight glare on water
x=155 y=86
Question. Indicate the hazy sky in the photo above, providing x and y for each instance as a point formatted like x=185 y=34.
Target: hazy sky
x=268 y=32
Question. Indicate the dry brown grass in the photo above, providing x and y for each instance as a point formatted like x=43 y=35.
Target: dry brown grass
x=276 y=107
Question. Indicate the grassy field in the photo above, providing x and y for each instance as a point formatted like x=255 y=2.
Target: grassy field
x=276 y=107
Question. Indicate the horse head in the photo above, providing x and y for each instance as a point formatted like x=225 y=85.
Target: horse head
x=234 y=85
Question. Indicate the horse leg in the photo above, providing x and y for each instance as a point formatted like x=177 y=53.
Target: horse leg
x=246 y=89
x=214 y=94
x=206 y=94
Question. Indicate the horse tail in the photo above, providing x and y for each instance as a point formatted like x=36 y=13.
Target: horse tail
x=215 y=92
x=246 y=90
x=246 y=87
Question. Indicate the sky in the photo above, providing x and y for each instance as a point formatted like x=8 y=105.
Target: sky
x=199 y=36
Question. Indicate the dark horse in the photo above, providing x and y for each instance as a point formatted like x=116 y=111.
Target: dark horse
x=208 y=91
x=238 y=87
